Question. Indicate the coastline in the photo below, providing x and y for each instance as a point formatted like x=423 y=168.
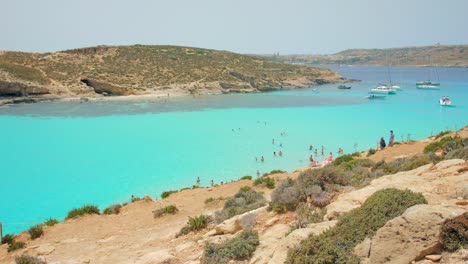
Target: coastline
x=135 y=233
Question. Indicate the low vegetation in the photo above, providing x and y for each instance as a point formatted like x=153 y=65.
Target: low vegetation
x=246 y=177
x=454 y=233
x=238 y=249
x=8 y=239
x=442 y=133
x=36 y=231
x=267 y=181
x=194 y=224
x=170 y=209
x=112 y=209
x=273 y=172
x=213 y=200
x=167 y=193
x=371 y=152
x=243 y=201
x=336 y=244
x=26 y=259
x=15 y=246
x=84 y=210
x=51 y=222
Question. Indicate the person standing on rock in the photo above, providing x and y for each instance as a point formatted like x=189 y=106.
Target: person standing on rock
x=392 y=137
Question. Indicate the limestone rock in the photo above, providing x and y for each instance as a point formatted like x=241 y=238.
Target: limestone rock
x=412 y=235
x=274 y=246
x=157 y=257
x=433 y=258
x=362 y=250
x=236 y=223
x=45 y=249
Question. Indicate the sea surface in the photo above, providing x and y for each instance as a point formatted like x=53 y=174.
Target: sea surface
x=57 y=156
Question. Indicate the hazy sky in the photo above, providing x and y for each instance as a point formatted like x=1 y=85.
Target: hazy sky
x=245 y=26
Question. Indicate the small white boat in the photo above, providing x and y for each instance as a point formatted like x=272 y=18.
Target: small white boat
x=445 y=101
x=395 y=87
x=383 y=89
x=427 y=83
x=428 y=87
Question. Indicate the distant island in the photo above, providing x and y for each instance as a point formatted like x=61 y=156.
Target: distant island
x=436 y=55
x=148 y=70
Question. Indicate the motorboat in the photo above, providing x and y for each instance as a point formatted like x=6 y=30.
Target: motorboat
x=375 y=96
x=445 y=101
x=428 y=85
x=344 y=87
x=383 y=89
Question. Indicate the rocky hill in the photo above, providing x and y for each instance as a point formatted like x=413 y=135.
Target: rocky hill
x=437 y=55
x=406 y=209
x=136 y=70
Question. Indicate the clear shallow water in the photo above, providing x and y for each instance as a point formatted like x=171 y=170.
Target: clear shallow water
x=56 y=156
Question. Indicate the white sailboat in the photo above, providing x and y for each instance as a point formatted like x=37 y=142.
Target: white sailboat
x=445 y=101
x=428 y=84
x=383 y=89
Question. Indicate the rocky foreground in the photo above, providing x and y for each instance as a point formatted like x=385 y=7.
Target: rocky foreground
x=136 y=236
x=147 y=70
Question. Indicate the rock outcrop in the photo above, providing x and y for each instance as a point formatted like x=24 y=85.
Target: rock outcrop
x=410 y=236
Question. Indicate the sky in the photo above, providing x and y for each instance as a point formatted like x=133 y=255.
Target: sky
x=243 y=26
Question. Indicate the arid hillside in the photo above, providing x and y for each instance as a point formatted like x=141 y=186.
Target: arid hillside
x=136 y=70
x=437 y=55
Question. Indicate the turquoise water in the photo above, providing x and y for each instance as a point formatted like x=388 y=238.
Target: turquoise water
x=56 y=156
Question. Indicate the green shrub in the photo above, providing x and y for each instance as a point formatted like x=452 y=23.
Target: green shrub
x=442 y=133
x=454 y=233
x=194 y=224
x=273 y=172
x=285 y=197
x=461 y=153
x=336 y=245
x=341 y=159
x=438 y=145
x=87 y=209
x=269 y=182
x=247 y=177
x=209 y=200
x=113 y=209
x=16 y=245
x=167 y=193
x=26 y=259
x=239 y=248
x=170 y=209
x=51 y=222
x=8 y=239
x=36 y=231
x=306 y=215
x=371 y=152
x=243 y=201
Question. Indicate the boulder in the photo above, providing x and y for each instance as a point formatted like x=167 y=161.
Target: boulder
x=238 y=222
x=156 y=257
x=411 y=236
x=45 y=249
x=275 y=243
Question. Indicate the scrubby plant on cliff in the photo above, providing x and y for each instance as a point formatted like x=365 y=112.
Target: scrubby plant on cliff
x=51 y=222
x=170 y=209
x=194 y=224
x=239 y=248
x=454 y=233
x=267 y=181
x=273 y=172
x=444 y=142
x=336 y=244
x=112 y=209
x=167 y=193
x=15 y=246
x=87 y=209
x=8 y=239
x=36 y=231
x=243 y=201
x=285 y=197
x=26 y=259
x=246 y=177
